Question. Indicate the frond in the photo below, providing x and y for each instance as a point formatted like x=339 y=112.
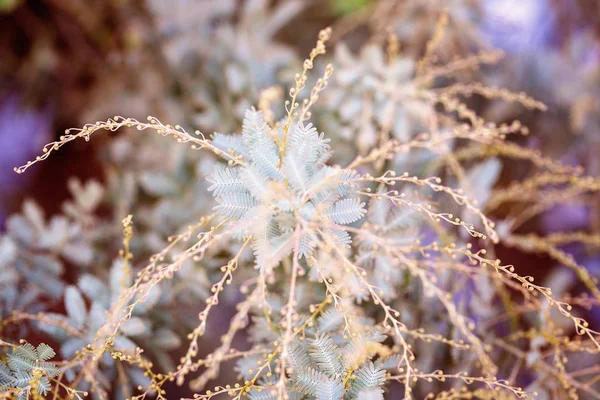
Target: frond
x=345 y=186
x=5 y=375
x=369 y=376
x=307 y=245
x=323 y=193
x=26 y=351
x=333 y=389
x=265 y=155
x=21 y=379
x=269 y=252
x=254 y=180
x=44 y=386
x=298 y=355
x=45 y=352
x=234 y=205
x=392 y=362
x=225 y=180
x=294 y=167
x=48 y=368
x=357 y=349
x=341 y=236
x=229 y=142
x=253 y=128
x=308 y=380
x=330 y=320
x=309 y=146
x=347 y=211
x=325 y=353
x=18 y=363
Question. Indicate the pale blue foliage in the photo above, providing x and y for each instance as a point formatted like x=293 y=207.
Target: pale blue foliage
x=324 y=352
x=22 y=363
x=320 y=365
x=369 y=376
x=310 y=380
x=347 y=211
x=307 y=188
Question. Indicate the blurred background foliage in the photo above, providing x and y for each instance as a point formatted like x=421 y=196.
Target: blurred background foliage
x=66 y=61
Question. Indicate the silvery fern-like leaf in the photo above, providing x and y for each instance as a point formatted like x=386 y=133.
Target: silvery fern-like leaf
x=265 y=155
x=298 y=355
x=356 y=348
x=272 y=230
x=234 y=205
x=369 y=376
x=26 y=351
x=307 y=140
x=391 y=363
x=45 y=352
x=333 y=389
x=307 y=245
x=254 y=180
x=347 y=211
x=308 y=380
x=269 y=252
x=21 y=379
x=44 y=386
x=75 y=305
x=5 y=375
x=341 y=236
x=225 y=180
x=345 y=185
x=324 y=352
x=330 y=320
x=18 y=363
x=323 y=149
x=49 y=368
x=309 y=146
x=229 y=142
x=294 y=168
x=253 y=128
x=321 y=185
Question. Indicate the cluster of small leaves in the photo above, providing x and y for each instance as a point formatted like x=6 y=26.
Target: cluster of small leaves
x=283 y=192
x=27 y=370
